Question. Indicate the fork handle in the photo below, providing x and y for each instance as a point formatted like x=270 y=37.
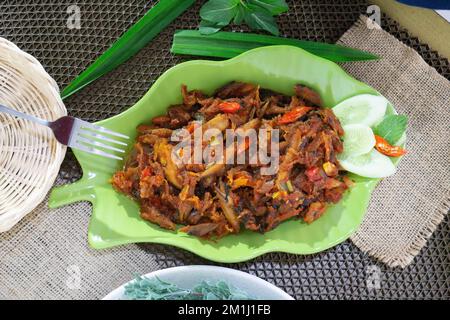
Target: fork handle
x=24 y=116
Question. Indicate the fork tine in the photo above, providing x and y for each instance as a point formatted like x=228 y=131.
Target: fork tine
x=89 y=133
x=95 y=151
x=82 y=138
x=94 y=127
x=97 y=144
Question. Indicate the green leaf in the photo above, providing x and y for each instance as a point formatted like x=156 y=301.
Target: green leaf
x=258 y=14
x=239 y=17
x=230 y=44
x=140 y=34
x=275 y=7
x=219 y=11
x=208 y=27
x=392 y=128
x=259 y=18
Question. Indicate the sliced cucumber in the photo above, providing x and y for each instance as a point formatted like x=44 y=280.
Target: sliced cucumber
x=358 y=139
x=370 y=165
x=364 y=109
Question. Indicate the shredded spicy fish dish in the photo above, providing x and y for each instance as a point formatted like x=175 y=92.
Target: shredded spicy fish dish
x=216 y=198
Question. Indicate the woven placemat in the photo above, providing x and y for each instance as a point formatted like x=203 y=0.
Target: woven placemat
x=67 y=268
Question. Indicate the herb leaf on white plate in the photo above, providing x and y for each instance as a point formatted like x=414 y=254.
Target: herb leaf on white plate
x=392 y=128
x=219 y=11
x=275 y=7
x=143 y=288
x=259 y=18
x=257 y=14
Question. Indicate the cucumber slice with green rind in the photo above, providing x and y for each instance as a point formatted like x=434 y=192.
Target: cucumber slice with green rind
x=364 y=109
x=370 y=165
x=358 y=139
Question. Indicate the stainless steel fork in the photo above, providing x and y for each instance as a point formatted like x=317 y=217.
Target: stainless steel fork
x=79 y=134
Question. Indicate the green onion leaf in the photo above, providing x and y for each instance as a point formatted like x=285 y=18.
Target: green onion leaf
x=142 y=32
x=289 y=186
x=230 y=44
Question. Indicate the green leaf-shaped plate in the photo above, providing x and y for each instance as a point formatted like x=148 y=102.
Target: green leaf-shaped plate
x=115 y=219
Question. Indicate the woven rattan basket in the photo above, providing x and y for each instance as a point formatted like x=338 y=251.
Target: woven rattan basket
x=30 y=157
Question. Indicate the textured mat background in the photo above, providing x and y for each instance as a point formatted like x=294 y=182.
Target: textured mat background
x=39 y=27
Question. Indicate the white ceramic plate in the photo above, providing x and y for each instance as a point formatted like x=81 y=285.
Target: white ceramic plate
x=189 y=276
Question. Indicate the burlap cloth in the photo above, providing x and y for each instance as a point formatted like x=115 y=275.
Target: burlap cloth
x=405 y=208
x=46 y=255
